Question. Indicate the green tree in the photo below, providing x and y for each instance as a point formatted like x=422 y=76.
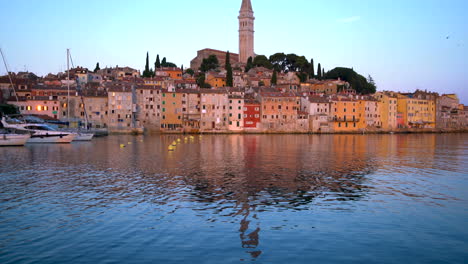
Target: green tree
x=229 y=77
x=190 y=71
x=323 y=73
x=249 y=64
x=146 y=72
x=302 y=76
x=370 y=80
x=319 y=72
x=262 y=61
x=357 y=81
x=210 y=63
x=157 y=64
x=279 y=61
x=312 y=70
x=7 y=109
x=182 y=68
x=274 y=78
x=97 y=67
x=201 y=80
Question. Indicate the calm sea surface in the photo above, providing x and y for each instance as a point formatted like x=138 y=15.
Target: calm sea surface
x=237 y=199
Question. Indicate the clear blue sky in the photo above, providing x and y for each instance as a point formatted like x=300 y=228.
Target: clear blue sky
x=402 y=44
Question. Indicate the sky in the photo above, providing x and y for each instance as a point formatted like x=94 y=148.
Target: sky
x=404 y=45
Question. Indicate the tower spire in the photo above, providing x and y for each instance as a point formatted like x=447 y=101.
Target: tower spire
x=246 y=6
x=246 y=31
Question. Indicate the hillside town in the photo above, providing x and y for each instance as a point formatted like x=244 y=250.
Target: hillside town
x=224 y=92
x=120 y=100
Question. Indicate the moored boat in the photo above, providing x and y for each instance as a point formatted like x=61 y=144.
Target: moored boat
x=41 y=133
x=83 y=136
x=13 y=139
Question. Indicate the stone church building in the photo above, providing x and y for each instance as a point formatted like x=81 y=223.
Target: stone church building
x=246 y=41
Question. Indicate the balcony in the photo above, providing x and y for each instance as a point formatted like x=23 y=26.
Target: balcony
x=348 y=120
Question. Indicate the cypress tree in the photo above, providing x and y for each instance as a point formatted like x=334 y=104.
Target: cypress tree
x=249 y=64
x=146 y=72
x=229 y=78
x=274 y=78
x=182 y=68
x=312 y=69
x=164 y=62
x=323 y=73
x=319 y=72
x=97 y=67
x=157 y=64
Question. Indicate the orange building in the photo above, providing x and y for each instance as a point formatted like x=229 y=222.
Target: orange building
x=279 y=110
x=348 y=114
x=171 y=111
x=171 y=72
x=215 y=79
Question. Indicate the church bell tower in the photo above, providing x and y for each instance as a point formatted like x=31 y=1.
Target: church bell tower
x=246 y=31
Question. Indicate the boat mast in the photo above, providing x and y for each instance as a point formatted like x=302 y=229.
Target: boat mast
x=9 y=76
x=68 y=86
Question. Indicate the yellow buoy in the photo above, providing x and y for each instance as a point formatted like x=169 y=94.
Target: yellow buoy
x=129 y=143
x=122 y=146
x=171 y=148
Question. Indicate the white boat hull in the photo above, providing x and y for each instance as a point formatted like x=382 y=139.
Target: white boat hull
x=84 y=136
x=67 y=138
x=13 y=139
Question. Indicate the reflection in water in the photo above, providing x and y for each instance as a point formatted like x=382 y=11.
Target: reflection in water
x=240 y=179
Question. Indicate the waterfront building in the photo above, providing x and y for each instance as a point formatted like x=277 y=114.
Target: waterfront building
x=120 y=106
x=372 y=112
x=416 y=112
x=149 y=107
x=388 y=110
x=191 y=110
x=214 y=110
x=40 y=105
x=448 y=112
x=348 y=114
x=236 y=113
x=318 y=110
x=171 y=111
x=279 y=111
x=252 y=114
x=96 y=105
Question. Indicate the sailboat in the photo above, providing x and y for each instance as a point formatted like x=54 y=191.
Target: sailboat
x=79 y=136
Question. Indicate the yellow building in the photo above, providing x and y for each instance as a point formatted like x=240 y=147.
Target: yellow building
x=388 y=110
x=348 y=114
x=416 y=112
x=215 y=79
